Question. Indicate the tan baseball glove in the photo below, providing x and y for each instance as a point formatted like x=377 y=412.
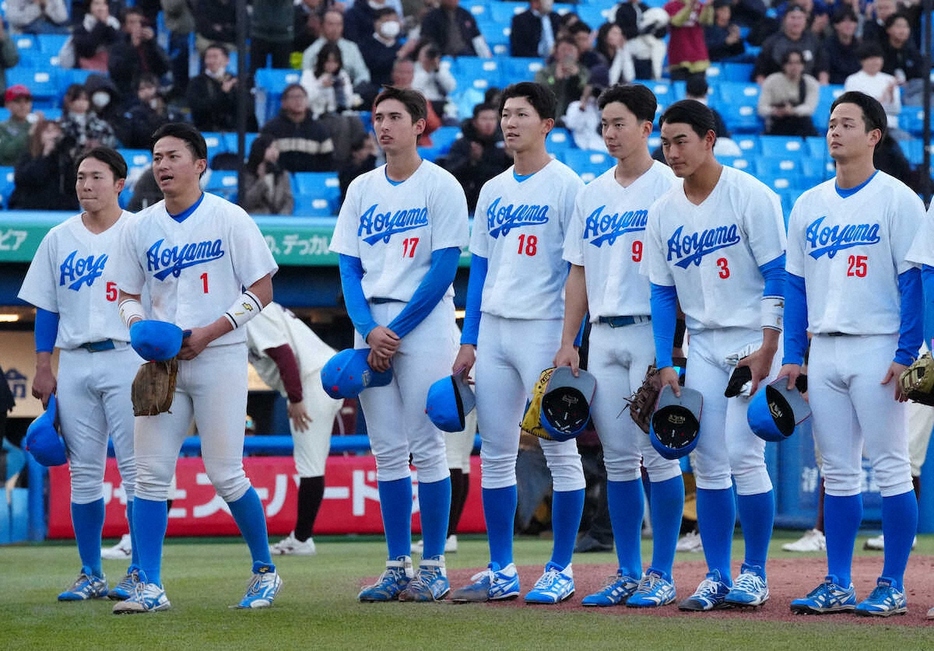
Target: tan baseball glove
x=154 y=387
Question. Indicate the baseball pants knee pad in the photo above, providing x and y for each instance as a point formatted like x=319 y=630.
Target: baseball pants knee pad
x=230 y=482
x=564 y=462
x=432 y=469
x=497 y=471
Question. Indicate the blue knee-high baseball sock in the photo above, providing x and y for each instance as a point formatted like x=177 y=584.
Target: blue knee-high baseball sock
x=567 y=507
x=251 y=520
x=434 y=505
x=716 y=519
x=757 y=517
x=150 y=518
x=134 y=554
x=899 y=526
x=842 y=516
x=667 y=501
x=499 y=511
x=395 y=506
x=88 y=521
x=627 y=507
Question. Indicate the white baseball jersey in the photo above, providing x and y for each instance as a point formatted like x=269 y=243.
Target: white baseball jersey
x=520 y=227
x=275 y=326
x=850 y=250
x=607 y=238
x=394 y=227
x=194 y=269
x=922 y=249
x=711 y=253
x=74 y=273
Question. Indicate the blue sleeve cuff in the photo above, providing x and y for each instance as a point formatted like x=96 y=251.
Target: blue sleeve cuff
x=911 y=331
x=927 y=285
x=774 y=274
x=478 y=270
x=796 y=320
x=46 y=330
x=664 y=316
x=358 y=309
x=429 y=292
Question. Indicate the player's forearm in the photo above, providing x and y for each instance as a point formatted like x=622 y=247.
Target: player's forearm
x=575 y=305
x=796 y=320
x=46 y=330
x=430 y=291
x=358 y=309
x=664 y=303
x=911 y=331
x=478 y=271
x=284 y=358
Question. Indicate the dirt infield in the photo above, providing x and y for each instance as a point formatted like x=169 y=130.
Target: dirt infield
x=789 y=578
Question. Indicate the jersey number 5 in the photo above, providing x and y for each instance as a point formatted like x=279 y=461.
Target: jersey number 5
x=110 y=291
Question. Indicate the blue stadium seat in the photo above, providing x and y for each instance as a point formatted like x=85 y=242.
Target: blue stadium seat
x=51 y=43
x=136 y=158
x=223 y=183
x=317 y=194
x=559 y=140
x=749 y=144
x=478 y=9
x=714 y=73
x=595 y=14
x=816 y=146
x=6 y=185
x=41 y=82
x=782 y=146
x=69 y=76
x=777 y=166
x=738 y=162
x=270 y=82
x=913 y=150
x=588 y=164
x=444 y=137
x=477 y=72
x=734 y=71
x=737 y=103
x=502 y=11
x=517 y=69
x=816 y=168
x=496 y=36
x=216 y=142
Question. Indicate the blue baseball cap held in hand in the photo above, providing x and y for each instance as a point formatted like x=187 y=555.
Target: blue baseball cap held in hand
x=42 y=440
x=775 y=410
x=449 y=401
x=676 y=422
x=347 y=374
x=566 y=403
x=156 y=341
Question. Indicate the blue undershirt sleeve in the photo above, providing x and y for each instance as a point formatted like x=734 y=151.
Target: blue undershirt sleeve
x=796 y=320
x=774 y=274
x=911 y=331
x=927 y=284
x=354 y=300
x=664 y=315
x=429 y=292
x=46 y=330
x=478 y=270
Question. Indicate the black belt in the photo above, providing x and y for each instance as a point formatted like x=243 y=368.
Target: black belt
x=379 y=300
x=835 y=334
x=99 y=346
x=620 y=321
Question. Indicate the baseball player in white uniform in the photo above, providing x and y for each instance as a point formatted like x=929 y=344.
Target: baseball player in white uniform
x=851 y=286
x=72 y=281
x=288 y=356
x=716 y=244
x=399 y=235
x=192 y=254
x=515 y=302
x=605 y=246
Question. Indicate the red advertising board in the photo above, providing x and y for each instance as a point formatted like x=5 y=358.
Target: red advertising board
x=351 y=499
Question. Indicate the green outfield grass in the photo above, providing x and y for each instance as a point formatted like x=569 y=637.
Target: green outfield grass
x=317 y=609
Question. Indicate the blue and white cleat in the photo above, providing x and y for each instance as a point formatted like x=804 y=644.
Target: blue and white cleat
x=146 y=598
x=390 y=583
x=829 y=597
x=86 y=586
x=616 y=591
x=655 y=589
x=710 y=594
x=263 y=587
x=127 y=586
x=750 y=588
x=885 y=600
x=556 y=585
x=430 y=582
x=492 y=584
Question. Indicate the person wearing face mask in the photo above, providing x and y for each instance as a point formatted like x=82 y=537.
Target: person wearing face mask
x=105 y=99
x=381 y=49
x=212 y=95
x=359 y=19
x=82 y=129
x=271 y=32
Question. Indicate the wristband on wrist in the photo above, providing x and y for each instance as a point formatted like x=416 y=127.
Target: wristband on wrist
x=243 y=309
x=130 y=310
x=772 y=312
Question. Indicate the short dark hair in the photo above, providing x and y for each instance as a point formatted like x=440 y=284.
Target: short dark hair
x=481 y=107
x=579 y=26
x=415 y=103
x=873 y=113
x=891 y=20
x=868 y=50
x=183 y=131
x=327 y=50
x=107 y=155
x=786 y=55
x=541 y=98
x=636 y=97
x=294 y=86
x=690 y=112
x=131 y=11
x=843 y=12
x=384 y=11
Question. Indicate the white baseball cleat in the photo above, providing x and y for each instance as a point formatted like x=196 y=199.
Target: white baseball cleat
x=122 y=551
x=812 y=541
x=294 y=547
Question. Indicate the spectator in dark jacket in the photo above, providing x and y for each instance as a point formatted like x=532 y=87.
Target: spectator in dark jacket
x=454 y=30
x=268 y=186
x=534 y=31
x=212 y=95
x=479 y=154
x=839 y=49
x=902 y=59
x=45 y=175
x=94 y=35
x=136 y=52
x=271 y=33
x=144 y=114
x=724 y=41
x=9 y=56
x=793 y=34
x=381 y=47
x=304 y=144
x=307 y=18
x=215 y=22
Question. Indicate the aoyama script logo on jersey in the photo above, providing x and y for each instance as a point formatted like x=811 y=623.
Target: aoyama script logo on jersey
x=75 y=271
x=602 y=227
x=502 y=219
x=164 y=262
x=690 y=248
x=376 y=226
x=828 y=240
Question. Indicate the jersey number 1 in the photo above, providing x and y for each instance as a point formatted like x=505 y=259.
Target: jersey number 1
x=204 y=282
